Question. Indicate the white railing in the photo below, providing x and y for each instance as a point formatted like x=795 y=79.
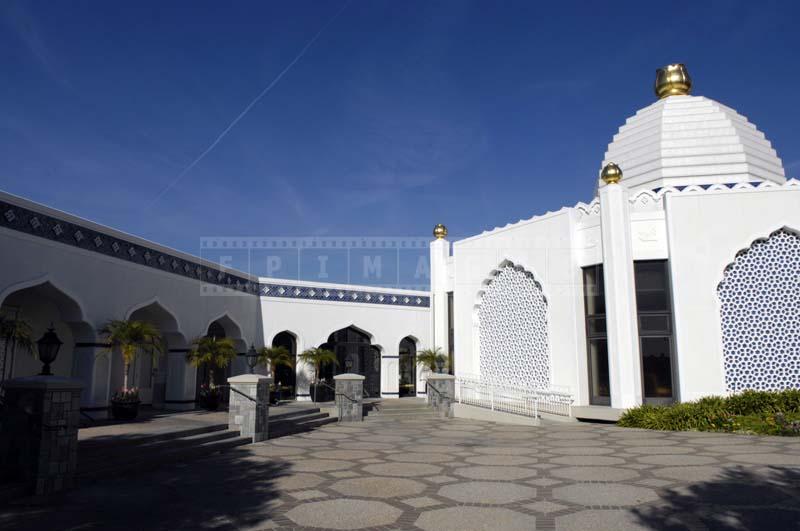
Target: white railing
x=474 y=391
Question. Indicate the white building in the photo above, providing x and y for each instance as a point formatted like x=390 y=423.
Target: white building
x=678 y=281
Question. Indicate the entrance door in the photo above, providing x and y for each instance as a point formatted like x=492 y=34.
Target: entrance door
x=285 y=377
x=596 y=338
x=408 y=368
x=355 y=354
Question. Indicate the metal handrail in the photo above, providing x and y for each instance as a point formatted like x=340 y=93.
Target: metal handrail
x=242 y=393
x=337 y=393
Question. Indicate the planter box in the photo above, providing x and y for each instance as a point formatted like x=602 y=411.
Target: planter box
x=125 y=410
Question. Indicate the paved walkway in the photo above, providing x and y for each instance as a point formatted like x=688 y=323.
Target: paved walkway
x=395 y=473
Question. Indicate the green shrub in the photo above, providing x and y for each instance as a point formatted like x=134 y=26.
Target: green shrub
x=758 y=410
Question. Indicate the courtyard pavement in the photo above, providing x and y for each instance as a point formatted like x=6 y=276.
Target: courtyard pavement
x=453 y=475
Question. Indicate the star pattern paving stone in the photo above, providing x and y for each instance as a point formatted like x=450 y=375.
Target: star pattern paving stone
x=399 y=473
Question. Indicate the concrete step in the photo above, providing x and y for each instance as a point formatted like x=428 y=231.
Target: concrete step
x=89 y=459
x=151 y=457
x=403 y=413
x=275 y=415
x=114 y=443
x=298 y=424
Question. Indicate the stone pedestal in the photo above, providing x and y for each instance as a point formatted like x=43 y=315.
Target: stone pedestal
x=248 y=408
x=349 y=397
x=441 y=394
x=39 y=432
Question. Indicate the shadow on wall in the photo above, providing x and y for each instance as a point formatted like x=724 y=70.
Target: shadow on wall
x=741 y=498
x=230 y=491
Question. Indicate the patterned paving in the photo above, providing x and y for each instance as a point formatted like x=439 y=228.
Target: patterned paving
x=420 y=473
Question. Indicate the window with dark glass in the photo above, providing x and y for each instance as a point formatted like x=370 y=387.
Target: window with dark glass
x=451 y=335
x=654 y=313
x=596 y=338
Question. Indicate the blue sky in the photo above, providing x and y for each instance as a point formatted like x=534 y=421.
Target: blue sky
x=398 y=116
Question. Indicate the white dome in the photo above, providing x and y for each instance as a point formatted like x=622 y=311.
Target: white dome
x=683 y=140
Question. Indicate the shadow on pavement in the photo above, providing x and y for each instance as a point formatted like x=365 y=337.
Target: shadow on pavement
x=743 y=498
x=228 y=491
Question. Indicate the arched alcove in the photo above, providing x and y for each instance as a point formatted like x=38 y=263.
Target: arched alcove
x=38 y=307
x=149 y=373
x=512 y=324
x=355 y=354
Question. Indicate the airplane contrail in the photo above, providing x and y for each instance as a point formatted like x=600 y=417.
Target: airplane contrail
x=249 y=106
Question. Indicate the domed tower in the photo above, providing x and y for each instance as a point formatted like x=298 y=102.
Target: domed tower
x=682 y=140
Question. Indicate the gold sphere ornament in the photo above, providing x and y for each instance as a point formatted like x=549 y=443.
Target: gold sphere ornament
x=611 y=173
x=440 y=231
x=673 y=80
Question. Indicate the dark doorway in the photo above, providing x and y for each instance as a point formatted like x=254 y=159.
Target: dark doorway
x=285 y=377
x=355 y=354
x=408 y=367
x=654 y=307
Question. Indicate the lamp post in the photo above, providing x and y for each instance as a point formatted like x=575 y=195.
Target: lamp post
x=440 y=365
x=48 y=346
x=252 y=358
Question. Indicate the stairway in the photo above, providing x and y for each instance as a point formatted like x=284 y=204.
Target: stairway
x=403 y=408
x=117 y=455
x=297 y=421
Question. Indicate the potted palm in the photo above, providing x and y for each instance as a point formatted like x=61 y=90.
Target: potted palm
x=432 y=359
x=317 y=357
x=274 y=357
x=212 y=353
x=129 y=336
x=17 y=334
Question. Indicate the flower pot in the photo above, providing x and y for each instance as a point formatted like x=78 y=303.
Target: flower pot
x=210 y=403
x=124 y=410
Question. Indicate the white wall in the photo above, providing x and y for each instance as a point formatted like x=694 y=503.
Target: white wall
x=543 y=246
x=706 y=230
x=312 y=321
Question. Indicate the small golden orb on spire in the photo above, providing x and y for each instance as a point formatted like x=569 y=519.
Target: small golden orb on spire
x=673 y=80
x=440 y=231
x=611 y=173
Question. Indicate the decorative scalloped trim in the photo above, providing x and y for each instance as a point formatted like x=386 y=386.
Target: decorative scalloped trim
x=643 y=199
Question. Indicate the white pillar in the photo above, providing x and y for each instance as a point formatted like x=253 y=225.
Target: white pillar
x=390 y=372
x=624 y=362
x=440 y=252
x=181 y=381
x=92 y=367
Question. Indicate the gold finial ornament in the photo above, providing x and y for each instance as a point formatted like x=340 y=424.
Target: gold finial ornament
x=611 y=173
x=440 y=231
x=673 y=80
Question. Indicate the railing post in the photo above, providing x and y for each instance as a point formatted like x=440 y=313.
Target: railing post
x=443 y=387
x=350 y=397
x=491 y=394
x=248 y=408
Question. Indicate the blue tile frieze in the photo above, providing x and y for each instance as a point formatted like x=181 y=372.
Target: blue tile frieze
x=321 y=293
x=34 y=223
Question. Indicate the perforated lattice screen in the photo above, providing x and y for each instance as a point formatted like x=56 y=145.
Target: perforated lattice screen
x=514 y=345
x=760 y=315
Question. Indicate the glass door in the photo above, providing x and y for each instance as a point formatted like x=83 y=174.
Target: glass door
x=654 y=310
x=596 y=337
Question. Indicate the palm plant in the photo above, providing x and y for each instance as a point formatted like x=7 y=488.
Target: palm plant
x=129 y=336
x=211 y=352
x=16 y=334
x=317 y=357
x=431 y=358
x=274 y=357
